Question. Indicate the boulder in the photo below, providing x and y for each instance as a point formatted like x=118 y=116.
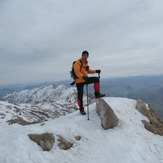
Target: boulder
x=107 y=115
x=45 y=140
x=63 y=143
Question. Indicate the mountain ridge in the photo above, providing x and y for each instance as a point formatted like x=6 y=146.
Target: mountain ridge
x=39 y=104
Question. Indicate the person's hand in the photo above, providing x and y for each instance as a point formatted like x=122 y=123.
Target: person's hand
x=98 y=71
x=86 y=79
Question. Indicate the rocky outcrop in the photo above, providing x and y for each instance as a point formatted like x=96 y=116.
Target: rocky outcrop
x=106 y=113
x=155 y=125
x=45 y=140
x=154 y=128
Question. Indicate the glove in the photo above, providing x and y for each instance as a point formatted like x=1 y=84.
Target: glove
x=86 y=79
x=98 y=71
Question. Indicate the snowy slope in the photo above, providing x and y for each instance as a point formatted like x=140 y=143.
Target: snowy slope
x=129 y=142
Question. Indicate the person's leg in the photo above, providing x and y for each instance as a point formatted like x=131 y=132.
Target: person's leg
x=96 y=82
x=80 y=96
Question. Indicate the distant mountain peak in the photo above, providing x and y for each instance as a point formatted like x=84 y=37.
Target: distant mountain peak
x=38 y=94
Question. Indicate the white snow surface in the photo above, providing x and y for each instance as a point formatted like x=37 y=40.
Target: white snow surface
x=129 y=142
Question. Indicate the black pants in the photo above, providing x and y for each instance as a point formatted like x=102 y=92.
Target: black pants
x=80 y=87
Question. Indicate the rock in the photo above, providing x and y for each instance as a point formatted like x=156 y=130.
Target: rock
x=45 y=140
x=107 y=115
x=141 y=107
x=63 y=143
x=78 y=137
x=42 y=124
x=154 y=128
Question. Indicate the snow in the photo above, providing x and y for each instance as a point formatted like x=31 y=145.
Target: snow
x=129 y=142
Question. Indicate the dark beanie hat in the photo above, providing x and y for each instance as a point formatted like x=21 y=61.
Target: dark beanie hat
x=85 y=53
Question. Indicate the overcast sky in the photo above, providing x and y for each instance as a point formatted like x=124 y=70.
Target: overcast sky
x=39 y=39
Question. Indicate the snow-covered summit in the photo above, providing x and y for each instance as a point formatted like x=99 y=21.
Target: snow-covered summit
x=129 y=142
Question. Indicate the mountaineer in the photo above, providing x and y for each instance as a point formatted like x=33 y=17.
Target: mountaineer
x=82 y=70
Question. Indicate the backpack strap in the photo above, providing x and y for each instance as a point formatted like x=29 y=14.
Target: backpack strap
x=81 y=63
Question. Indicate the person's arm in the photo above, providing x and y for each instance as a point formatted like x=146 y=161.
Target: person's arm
x=91 y=71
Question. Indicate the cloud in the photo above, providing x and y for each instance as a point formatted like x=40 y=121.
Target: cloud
x=40 y=39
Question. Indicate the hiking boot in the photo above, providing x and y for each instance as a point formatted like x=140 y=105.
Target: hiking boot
x=98 y=95
x=82 y=111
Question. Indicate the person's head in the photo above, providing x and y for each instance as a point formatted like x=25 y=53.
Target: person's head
x=85 y=55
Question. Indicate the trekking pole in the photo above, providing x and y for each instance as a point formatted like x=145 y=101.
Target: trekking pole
x=99 y=79
x=87 y=102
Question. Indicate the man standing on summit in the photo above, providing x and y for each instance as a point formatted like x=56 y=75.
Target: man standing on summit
x=82 y=70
